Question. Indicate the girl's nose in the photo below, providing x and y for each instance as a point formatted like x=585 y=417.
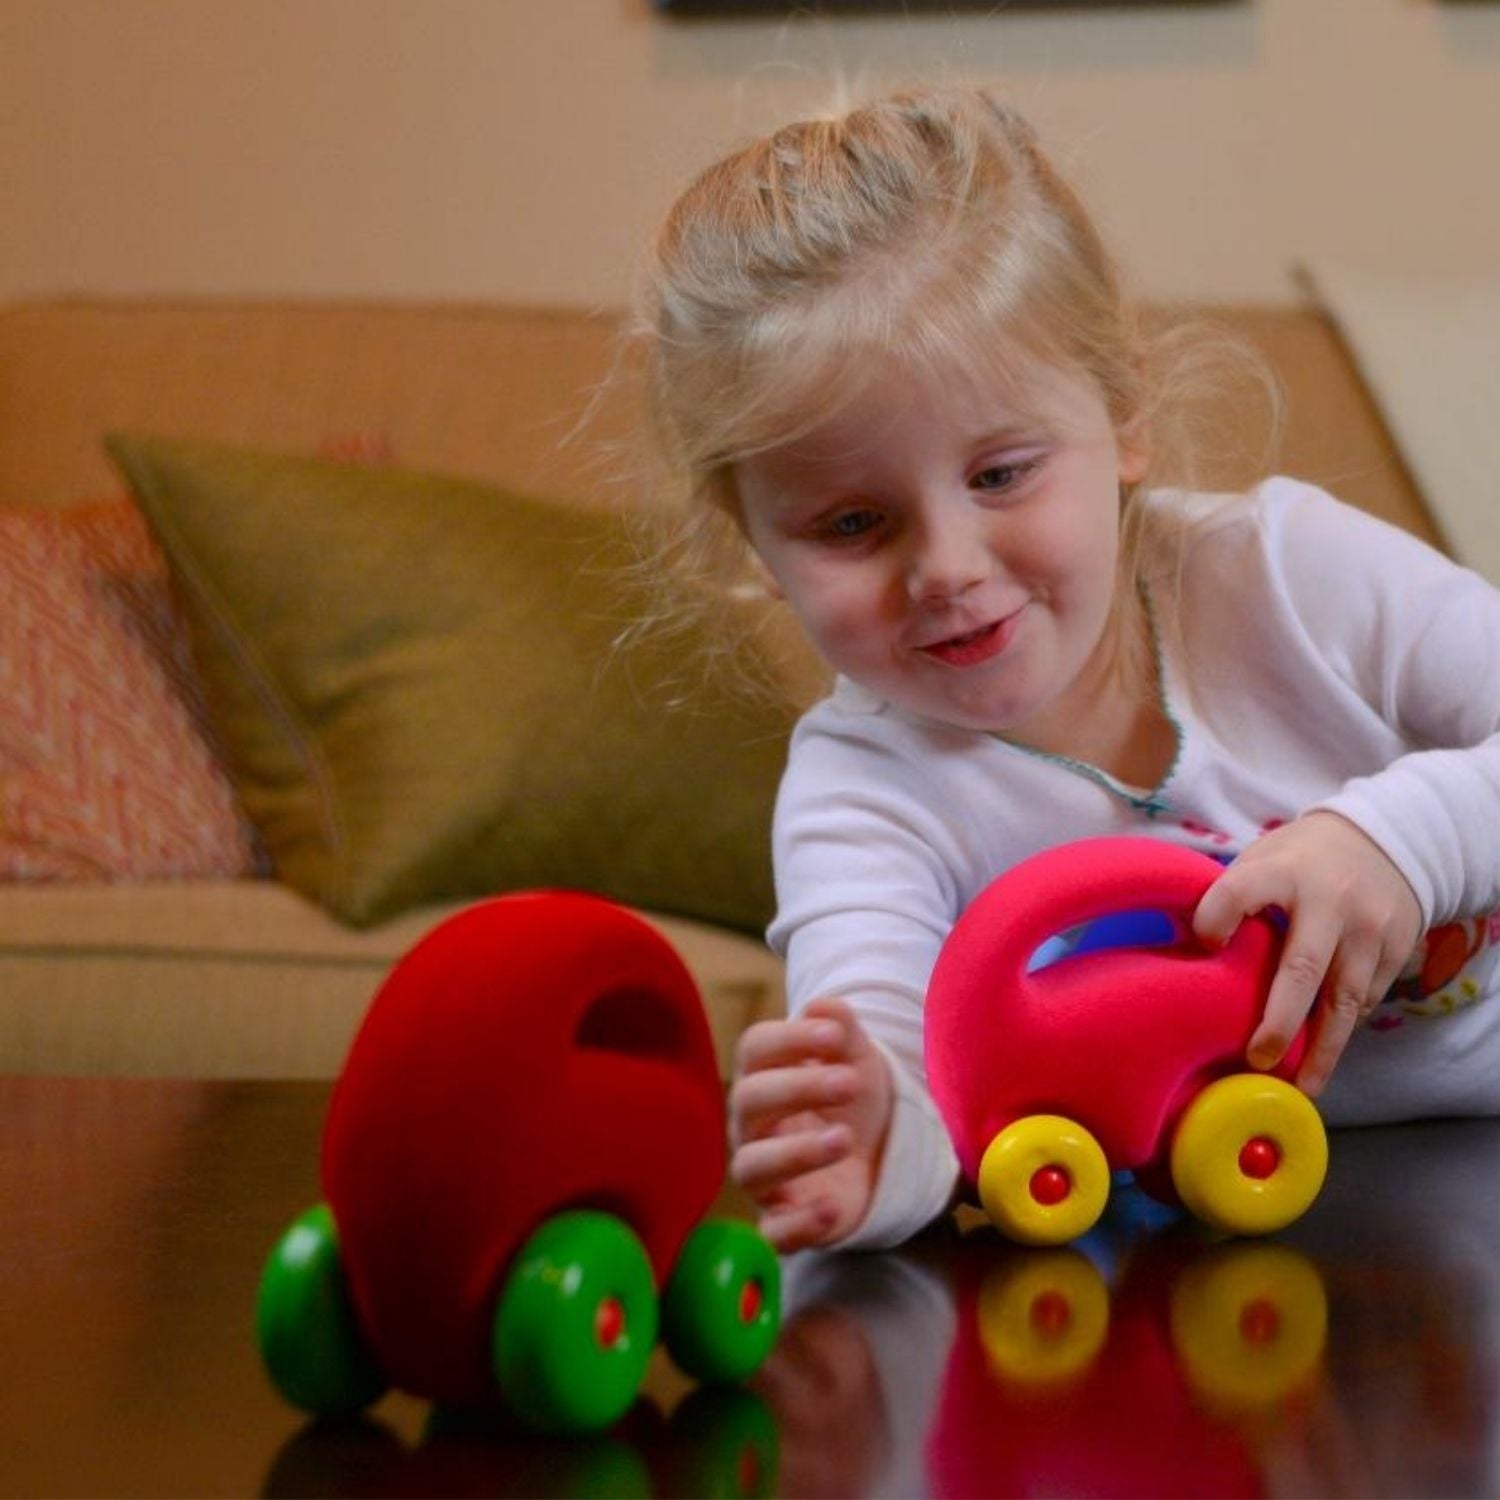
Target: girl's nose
x=950 y=558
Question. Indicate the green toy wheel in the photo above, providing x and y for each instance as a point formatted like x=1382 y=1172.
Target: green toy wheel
x=724 y=1445
x=575 y=1324
x=722 y=1306
x=305 y=1324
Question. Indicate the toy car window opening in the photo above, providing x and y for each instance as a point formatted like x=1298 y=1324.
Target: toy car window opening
x=636 y=1022
x=1146 y=928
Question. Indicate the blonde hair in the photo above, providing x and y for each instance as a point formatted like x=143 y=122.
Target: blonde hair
x=926 y=227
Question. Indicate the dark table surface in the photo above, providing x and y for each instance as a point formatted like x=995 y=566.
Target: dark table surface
x=1356 y=1354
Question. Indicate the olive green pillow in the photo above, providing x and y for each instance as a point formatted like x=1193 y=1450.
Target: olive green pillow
x=420 y=690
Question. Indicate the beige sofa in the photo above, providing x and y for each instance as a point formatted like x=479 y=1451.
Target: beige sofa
x=244 y=977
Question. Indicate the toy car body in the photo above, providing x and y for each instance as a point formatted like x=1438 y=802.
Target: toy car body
x=1049 y=1079
x=516 y=1160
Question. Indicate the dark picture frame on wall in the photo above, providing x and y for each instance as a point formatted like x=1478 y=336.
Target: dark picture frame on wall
x=997 y=8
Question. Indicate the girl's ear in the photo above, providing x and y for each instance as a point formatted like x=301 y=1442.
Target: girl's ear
x=729 y=500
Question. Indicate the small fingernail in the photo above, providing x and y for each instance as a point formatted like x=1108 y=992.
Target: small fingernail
x=827 y=1033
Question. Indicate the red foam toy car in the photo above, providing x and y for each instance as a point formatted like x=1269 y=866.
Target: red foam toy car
x=1050 y=1078
x=516 y=1162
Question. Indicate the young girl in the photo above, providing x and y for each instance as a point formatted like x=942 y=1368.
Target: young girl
x=889 y=352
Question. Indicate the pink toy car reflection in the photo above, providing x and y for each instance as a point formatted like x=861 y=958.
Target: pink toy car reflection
x=1049 y=1079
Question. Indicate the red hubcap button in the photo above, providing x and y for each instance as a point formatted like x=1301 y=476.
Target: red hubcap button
x=748 y=1471
x=752 y=1299
x=1050 y=1185
x=1050 y=1315
x=1260 y=1322
x=609 y=1322
x=1259 y=1157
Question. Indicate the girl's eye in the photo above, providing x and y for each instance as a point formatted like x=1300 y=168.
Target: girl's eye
x=997 y=477
x=850 y=525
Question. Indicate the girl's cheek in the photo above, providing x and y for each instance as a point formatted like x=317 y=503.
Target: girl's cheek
x=1071 y=539
x=838 y=617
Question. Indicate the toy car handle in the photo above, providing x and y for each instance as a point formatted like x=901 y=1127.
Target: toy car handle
x=1080 y=882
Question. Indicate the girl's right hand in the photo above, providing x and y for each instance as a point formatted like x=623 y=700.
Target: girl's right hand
x=808 y=1115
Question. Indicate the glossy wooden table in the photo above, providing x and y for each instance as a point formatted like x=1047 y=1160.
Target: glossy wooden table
x=1357 y=1355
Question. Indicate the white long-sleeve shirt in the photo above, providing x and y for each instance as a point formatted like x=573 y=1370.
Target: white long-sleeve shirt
x=1324 y=660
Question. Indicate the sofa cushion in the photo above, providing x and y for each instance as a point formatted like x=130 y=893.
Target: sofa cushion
x=484 y=390
x=248 y=979
x=107 y=766
x=418 y=685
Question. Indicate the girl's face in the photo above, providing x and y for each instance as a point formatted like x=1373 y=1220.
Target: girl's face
x=951 y=553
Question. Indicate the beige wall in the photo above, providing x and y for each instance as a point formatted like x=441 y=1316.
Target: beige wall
x=522 y=148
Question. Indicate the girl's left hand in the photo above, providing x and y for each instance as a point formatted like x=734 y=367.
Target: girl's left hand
x=1352 y=923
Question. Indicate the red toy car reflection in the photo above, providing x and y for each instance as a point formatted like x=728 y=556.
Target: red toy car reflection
x=1050 y=1079
x=516 y=1161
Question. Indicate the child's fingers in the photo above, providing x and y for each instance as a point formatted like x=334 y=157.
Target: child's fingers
x=1310 y=945
x=831 y=1008
x=854 y=1042
x=799 y=1226
x=1348 y=995
x=763 y=1166
x=1352 y=919
x=1361 y=974
x=780 y=1044
x=1250 y=886
x=1226 y=903
x=760 y=1101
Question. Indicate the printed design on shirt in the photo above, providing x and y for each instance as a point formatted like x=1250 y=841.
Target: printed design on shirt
x=1215 y=836
x=1438 y=979
x=1225 y=847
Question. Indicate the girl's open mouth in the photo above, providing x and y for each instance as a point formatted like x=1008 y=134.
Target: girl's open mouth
x=976 y=646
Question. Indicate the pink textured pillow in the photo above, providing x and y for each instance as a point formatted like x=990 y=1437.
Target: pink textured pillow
x=108 y=769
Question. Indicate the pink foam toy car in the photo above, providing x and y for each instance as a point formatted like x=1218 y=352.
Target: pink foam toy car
x=1050 y=1078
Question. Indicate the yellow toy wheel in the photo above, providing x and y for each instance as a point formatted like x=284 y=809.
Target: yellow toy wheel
x=1250 y=1154
x=1043 y=1318
x=1043 y=1180
x=1249 y=1324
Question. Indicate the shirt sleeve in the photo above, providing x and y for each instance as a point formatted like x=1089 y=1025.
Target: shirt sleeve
x=919 y=1173
x=1418 y=637
x=866 y=895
